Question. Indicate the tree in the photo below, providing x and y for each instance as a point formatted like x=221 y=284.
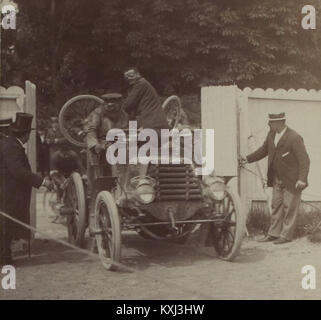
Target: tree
x=179 y=45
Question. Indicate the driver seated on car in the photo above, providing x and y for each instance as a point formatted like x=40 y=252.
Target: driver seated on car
x=107 y=116
x=143 y=102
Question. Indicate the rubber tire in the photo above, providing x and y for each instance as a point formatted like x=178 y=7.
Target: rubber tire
x=109 y=201
x=240 y=226
x=82 y=216
x=167 y=101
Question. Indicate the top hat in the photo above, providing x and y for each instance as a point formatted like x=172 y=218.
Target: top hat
x=276 y=117
x=5 y=122
x=22 y=123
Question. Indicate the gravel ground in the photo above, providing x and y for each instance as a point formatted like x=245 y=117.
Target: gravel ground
x=164 y=271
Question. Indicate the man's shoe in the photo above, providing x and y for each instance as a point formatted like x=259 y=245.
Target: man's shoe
x=267 y=238
x=281 y=241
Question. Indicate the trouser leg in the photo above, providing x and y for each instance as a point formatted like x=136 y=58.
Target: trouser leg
x=277 y=211
x=5 y=240
x=291 y=208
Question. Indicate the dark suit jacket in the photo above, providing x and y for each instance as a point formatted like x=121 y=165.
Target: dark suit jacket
x=143 y=101
x=291 y=161
x=16 y=182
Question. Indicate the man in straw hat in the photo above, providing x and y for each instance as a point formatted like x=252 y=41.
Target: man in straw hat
x=16 y=183
x=288 y=167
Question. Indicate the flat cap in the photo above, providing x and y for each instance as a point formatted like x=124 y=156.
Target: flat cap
x=111 y=96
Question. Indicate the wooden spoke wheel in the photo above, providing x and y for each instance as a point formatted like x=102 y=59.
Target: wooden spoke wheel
x=73 y=115
x=172 y=108
x=227 y=235
x=108 y=231
x=75 y=200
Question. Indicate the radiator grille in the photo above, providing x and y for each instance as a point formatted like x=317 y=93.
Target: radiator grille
x=175 y=182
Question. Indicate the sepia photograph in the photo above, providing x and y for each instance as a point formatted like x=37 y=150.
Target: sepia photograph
x=158 y=150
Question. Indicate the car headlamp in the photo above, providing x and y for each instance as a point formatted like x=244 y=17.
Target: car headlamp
x=145 y=193
x=144 y=189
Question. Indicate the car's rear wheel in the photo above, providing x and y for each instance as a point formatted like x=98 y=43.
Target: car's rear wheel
x=77 y=218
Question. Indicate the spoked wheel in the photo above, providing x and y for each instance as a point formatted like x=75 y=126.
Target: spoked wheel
x=227 y=235
x=172 y=108
x=108 y=232
x=72 y=116
x=76 y=202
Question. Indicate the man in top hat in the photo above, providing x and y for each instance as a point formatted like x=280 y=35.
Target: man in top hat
x=288 y=168
x=16 y=183
x=143 y=102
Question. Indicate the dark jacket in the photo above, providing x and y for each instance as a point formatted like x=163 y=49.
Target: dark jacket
x=288 y=160
x=50 y=137
x=16 y=182
x=143 y=101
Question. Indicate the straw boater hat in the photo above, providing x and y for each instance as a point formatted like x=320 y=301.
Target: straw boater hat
x=276 y=117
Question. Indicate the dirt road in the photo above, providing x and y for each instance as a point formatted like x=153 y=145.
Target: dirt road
x=165 y=271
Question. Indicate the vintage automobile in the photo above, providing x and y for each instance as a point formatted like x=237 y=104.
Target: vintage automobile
x=159 y=201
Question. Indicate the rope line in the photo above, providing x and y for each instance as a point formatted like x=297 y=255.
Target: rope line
x=96 y=256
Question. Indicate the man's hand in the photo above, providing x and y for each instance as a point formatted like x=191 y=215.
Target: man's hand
x=48 y=184
x=242 y=161
x=300 y=185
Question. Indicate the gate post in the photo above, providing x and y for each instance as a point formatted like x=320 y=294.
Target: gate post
x=30 y=107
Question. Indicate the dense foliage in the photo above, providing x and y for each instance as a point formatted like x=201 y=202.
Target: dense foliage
x=69 y=47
